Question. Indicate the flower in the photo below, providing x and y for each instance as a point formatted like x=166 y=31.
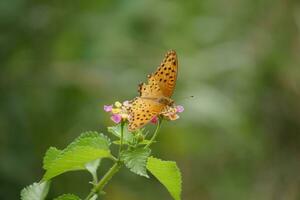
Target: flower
x=180 y=108
x=118 y=104
x=107 y=108
x=173 y=117
x=154 y=120
x=115 y=110
x=119 y=112
x=116 y=118
x=170 y=112
x=126 y=103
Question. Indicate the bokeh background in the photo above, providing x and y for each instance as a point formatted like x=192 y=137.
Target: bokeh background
x=239 y=137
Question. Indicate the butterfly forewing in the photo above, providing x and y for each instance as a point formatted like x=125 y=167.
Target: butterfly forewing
x=142 y=111
x=166 y=74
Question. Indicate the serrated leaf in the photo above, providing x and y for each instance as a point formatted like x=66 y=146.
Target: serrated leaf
x=51 y=154
x=74 y=159
x=87 y=147
x=136 y=160
x=36 y=191
x=168 y=174
x=91 y=138
x=67 y=197
x=116 y=130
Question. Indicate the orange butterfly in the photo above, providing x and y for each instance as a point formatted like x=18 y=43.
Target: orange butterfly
x=155 y=96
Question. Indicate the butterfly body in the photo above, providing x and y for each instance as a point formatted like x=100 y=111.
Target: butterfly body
x=162 y=100
x=155 y=96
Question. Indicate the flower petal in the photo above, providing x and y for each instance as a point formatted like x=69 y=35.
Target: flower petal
x=116 y=118
x=116 y=110
x=154 y=120
x=179 y=109
x=107 y=108
x=124 y=116
x=118 y=104
x=173 y=117
x=126 y=103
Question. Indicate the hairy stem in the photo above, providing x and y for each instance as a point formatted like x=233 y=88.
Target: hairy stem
x=155 y=133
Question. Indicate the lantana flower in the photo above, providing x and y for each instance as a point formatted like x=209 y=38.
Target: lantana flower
x=119 y=112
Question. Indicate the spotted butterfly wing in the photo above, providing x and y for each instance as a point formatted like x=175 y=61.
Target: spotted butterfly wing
x=166 y=74
x=150 y=90
x=142 y=111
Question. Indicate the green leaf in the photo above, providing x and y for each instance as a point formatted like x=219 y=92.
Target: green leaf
x=36 y=191
x=128 y=137
x=87 y=147
x=136 y=160
x=168 y=174
x=50 y=156
x=91 y=138
x=92 y=168
x=67 y=197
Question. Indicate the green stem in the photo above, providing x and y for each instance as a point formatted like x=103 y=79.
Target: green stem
x=100 y=185
x=121 y=139
x=155 y=133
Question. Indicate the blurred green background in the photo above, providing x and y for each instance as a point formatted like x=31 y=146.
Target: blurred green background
x=239 y=137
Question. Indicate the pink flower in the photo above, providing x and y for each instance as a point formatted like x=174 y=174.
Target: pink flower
x=116 y=118
x=154 y=120
x=107 y=108
x=179 y=109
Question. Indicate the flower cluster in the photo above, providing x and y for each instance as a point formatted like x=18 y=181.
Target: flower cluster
x=119 y=112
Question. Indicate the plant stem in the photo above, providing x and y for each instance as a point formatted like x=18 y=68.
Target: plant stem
x=97 y=188
x=121 y=139
x=155 y=133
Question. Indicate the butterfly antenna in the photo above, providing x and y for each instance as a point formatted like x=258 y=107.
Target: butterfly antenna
x=185 y=98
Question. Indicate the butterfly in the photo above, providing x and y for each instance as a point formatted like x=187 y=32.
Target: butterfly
x=155 y=95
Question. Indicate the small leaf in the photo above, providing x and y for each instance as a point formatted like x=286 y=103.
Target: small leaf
x=168 y=174
x=92 y=168
x=67 y=197
x=136 y=160
x=87 y=147
x=36 y=191
x=116 y=130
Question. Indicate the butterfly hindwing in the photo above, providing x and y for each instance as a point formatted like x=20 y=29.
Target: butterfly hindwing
x=142 y=111
x=166 y=74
